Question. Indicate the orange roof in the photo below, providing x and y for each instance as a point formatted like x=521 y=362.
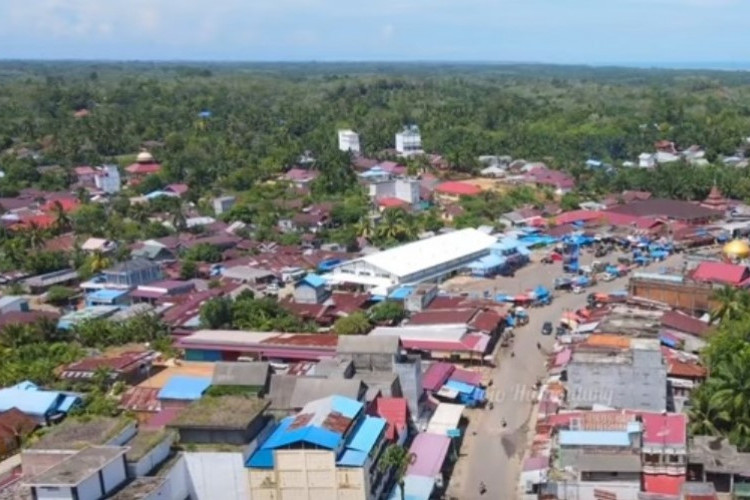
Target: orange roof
x=458 y=189
x=608 y=340
x=67 y=204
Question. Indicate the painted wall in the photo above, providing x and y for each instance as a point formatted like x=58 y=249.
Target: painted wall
x=150 y=460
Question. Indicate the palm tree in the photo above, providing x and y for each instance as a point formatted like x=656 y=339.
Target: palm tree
x=731 y=304
x=397 y=458
x=705 y=418
x=63 y=221
x=98 y=262
x=364 y=228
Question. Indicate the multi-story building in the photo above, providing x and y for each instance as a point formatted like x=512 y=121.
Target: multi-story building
x=628 y=374
x=406 y=190
x=132 y=273
x=349 y=141
x=107 y=178
x=330 y=449
x=409 y=141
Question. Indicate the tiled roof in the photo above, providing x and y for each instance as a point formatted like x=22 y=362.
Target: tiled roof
x=675 y=320
x=721 y=272
x=486 y=321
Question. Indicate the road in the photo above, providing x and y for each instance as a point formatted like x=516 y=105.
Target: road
x=493 y=455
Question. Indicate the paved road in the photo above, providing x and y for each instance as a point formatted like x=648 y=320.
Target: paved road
x=494 y=454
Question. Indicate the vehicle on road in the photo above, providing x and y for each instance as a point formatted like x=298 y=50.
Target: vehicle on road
x=547 y=328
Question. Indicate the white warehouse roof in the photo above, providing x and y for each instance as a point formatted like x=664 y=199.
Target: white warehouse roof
x=431 y=252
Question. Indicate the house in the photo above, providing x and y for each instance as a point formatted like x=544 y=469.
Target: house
x=559 y=181
x=132 y=273
x=43 y=406
x=396 y=192
x=85 y=175
x=438 y=341
x=336 y=434
x=409 y=141
x=15 y=427
x=521 y=217
x=223 y=204
x=42 y=282
x=108 y=180
x=395 y=411
x=311 y=290
x=178 y=189
x=714 y=460
x=90 y=474
x=233 y=420
x=13 y=303
x=349 y=141
x=301 y=177
x=722 y=273
x=159 y=290
x=156 y=251
x=144 y=166
x=252 y=376
x=452 y=191
x=107 y=297
x=180 y=390
x=100 y=245
x=130 y=367
x=433 y=456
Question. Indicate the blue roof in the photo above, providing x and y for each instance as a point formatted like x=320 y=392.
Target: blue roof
x=367 y=434
x=185 y=387
x=106 y=295
x=262 y=459
x=488 y=262
x=282 y=436
x=68 y=403
x=346 y=406
x=594 y=438
x=461 y=387
x=400 y=293
x=415 y=488
x=33 y=402
x=352 y=458
x=313 y=280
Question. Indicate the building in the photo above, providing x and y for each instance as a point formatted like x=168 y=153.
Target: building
x=425 y=260
x=714 y=460
x=13 y=303
x=311 y=290
x=15 y=427
x=349 y=141
x=672 y=210
x=91 y=474
x=722 y=273
x=129 y=367
x=330 y=449
x=409 y=141
x=43 y=406
x=42 y=282
x=621 y=373
x=406 y=191
x=223 y=204
x=161 y=289
x=221 y=420
x=144 y=166
x=107 y=179
x=132 y=273
x=180 y=390
x=252 y=376
x=107 y=297
x=433 y=455
x=452 y=191
x=451 y=341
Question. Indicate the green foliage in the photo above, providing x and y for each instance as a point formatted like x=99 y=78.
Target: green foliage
x=188 y=269
x=203 y=252
x=60 y=295
x=248 y=313
x=387 y=312
x=103 y=333
x=216 y=313
x=356 y=323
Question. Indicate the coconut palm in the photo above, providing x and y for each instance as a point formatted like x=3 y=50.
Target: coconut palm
x=98 y=262
x=397 y=458
x=705 y=418
x=63 y=221
x=732 y=303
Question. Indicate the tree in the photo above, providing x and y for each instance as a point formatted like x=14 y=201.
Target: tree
x=63 y=221
x=396 y=459
x=188 y=269
x=731 y=304
x=98 y=262
x=217 y=313
x=387 y=312
x=356 y=323
x=60 y=295
x=570 y=201
x=203 y=252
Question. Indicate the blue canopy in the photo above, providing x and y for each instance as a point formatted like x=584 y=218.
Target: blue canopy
x=541 y=291
x=400 y=293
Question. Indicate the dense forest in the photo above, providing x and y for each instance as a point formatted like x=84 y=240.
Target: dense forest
x=264 y=116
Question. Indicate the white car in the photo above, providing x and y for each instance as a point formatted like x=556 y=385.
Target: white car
x=577 y=289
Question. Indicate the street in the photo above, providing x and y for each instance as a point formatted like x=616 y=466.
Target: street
x=493 y=455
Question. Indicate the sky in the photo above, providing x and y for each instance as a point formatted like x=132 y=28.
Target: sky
x=661 y=32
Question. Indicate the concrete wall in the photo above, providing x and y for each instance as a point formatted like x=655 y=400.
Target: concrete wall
x=54 y=493
x=573 y=490
x=209 y=473
x=176 y=482
x=150 y=460
x=123 y=436
x=114 y=474
x=692 y=298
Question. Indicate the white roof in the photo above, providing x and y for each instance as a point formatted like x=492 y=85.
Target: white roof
x=446 y=417
x=446 y=333
x=425 y=254
x=92 y=244
x=238 y=337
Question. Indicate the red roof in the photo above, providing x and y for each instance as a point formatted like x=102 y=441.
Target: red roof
x=125 y=361
x=577 y=216
x=486 y=321
x=178 y=189
x=721 y=272
x=663 y=484
x=392 y=202
x=84 y=170
x=143 y=168
x=458 y=189
x=42 y=221
x=467 y=376
x=25 y=317
x=678 y=368
x=347 y=303
x=395 y=411
x=617 y=219
x=67 y=204
x=141 y=399
x=443 y=317
x=674 y=320
x=436 y=376
x=664 y=430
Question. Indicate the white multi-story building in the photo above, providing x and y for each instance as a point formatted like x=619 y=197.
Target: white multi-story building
x=409 y=141
x=403 y=189
x=107 y=178
x=349 y=141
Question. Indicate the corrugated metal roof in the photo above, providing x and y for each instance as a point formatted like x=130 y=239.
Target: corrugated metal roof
x=447 y=417
x=367 y=433
x=594 y=438
x=415 y=488
x=185 y=388
x=436 y=376
x=429 y=451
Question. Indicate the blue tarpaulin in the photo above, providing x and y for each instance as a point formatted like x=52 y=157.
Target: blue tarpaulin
x=400 y=293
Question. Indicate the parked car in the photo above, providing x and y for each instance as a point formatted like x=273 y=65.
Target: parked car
x=547 y=328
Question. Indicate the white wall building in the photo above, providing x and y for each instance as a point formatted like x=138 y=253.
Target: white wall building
x=409 y=141
x=424 y=260
x=403 y=189
x=107 y=178
x=349 y=141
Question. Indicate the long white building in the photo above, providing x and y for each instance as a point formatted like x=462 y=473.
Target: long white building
x=409 y=141
x=425 y=260
x=349 y=141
